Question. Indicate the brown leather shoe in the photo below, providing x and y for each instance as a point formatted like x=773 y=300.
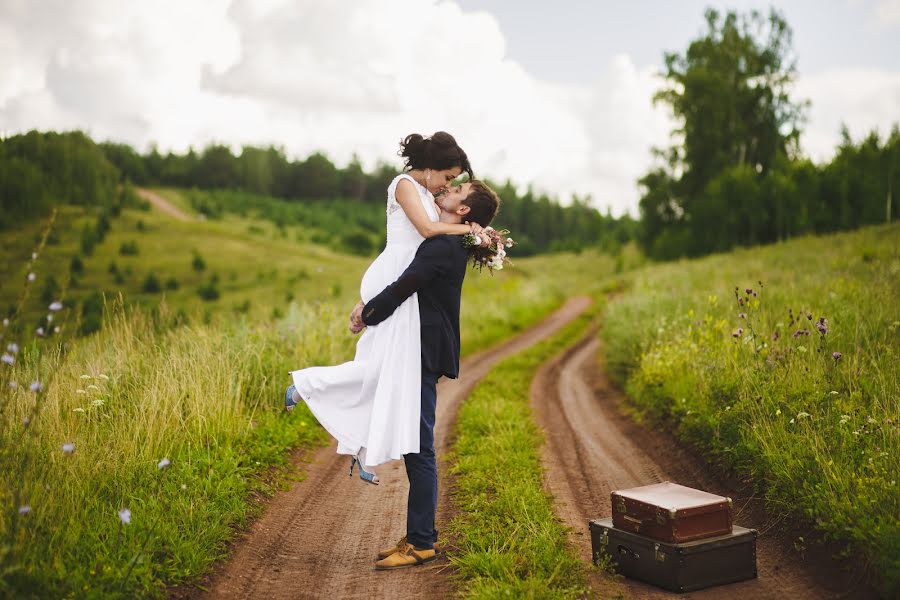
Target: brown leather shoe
x=407 y=556
x=398 y=547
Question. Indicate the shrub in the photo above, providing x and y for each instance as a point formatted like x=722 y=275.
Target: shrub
x=129 y=248
x=198 y=263
x=151 y=284
x=171 y=283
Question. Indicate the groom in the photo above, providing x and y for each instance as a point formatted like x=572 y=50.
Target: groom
x=437 y=274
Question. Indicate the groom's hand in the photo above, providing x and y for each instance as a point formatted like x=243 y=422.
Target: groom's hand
x=356 y=322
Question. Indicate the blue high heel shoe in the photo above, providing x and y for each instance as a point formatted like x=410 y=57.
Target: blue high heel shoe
x=363 y=474
x=289 y=402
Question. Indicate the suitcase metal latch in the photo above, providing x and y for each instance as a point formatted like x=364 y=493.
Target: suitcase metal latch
x=660 y=556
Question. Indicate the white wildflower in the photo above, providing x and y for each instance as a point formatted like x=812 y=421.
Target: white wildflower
x=6 y=322
x=103 y=377
x=163 y=463
x=24 y=510
x=792 y=421
x=34 y=256
x=39 y=332
x=93 y=387
x=13 y=347
x=80 y=391
x=97 y=402
x=125 y=515
x=49 y=318
x=55 y=306
x=85 y=377
x=13 y=384
x=8 y=358
x=184 y=486
x=78 y=409
x=802 y=415
x=68 y=447
x=844 y=419
x=56 y=329
x=31 y=276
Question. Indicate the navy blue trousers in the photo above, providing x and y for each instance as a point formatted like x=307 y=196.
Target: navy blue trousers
x=421 y=469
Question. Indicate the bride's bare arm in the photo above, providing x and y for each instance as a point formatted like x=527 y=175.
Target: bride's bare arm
x=408 y=199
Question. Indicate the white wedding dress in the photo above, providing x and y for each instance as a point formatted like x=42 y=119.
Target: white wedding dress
x=374 y=401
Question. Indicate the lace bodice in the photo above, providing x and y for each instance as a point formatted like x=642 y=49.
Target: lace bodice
x=400 y=229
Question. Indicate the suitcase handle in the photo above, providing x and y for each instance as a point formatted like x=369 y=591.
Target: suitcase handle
x=625 y=551
x=635 y=521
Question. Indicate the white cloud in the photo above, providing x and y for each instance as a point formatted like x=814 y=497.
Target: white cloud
x=353 y=77
x=863 y=99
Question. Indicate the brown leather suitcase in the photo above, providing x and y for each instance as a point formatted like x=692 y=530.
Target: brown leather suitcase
x=668 y=512
x=678 y=567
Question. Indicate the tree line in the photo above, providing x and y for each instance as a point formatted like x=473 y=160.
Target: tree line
x=38 y=170
x=734 y=174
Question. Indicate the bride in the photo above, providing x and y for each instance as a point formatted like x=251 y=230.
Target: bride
x=371 y=405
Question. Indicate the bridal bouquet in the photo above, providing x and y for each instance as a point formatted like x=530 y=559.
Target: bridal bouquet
x=492 y=256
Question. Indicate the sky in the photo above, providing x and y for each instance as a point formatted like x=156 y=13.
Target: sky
x=556 y=95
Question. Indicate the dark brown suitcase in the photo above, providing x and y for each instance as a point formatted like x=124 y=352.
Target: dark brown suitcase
x=677 y=567
x=672 y=513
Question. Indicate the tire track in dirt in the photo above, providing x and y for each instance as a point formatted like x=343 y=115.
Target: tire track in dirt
x=319 y=539
x=163 y=205
x=593 y=449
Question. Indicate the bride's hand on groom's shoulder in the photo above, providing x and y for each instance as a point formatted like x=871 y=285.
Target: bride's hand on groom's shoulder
x=356 y=322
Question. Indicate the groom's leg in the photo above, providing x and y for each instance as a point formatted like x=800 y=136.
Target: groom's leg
x=421 y=468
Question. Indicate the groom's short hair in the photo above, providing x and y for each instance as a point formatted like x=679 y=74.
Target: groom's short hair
x=483 y=203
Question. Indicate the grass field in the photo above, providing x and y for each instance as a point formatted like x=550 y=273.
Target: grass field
x=171 y=410
x=509 y=543
x=731 y=352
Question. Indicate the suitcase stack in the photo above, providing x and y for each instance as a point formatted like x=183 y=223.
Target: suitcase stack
x=675 y=537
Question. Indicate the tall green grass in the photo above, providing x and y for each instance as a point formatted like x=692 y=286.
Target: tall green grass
x=752 y=379
x=509 y=543
x=204 y=393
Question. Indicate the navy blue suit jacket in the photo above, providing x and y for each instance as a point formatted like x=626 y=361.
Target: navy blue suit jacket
x=436 y=273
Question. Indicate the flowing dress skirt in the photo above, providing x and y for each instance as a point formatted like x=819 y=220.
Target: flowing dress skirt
x=374 y=401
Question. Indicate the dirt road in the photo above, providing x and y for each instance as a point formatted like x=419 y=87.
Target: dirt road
x=593 y=449
x=319 y=539
x=164 y=205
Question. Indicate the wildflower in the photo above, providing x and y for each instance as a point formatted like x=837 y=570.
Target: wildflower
x=80 y=391
x=836 y=355
x=56 y=329
x=93 y=387
x=6 y=322
x=775 y=336
x=742 y=315
x=26 y=421
x=184 y=486
x=85 y=377
x=8 y=358
x=755 y=294
x=24 y=510
x=55 y=306
x=31 y=276
x=808 y=317
x=822 y=325
x=792 y=421
x=39 y=332
x=741 y=301
x=34 y=256
x=78 y=409
x=68 y=447
x=103 y=377
x=36 y=386
x=748 y=291
x=13 y=347
x=13 y=384
x=125 y=516
x=777 y=412
x=49 y=318
x=163 y=463
x=97 y=402
x=802 y=415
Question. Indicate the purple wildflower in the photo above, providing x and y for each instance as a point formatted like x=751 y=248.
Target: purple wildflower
x=741 y=301
x=755 y=294
x=822 y=325
x=775 y=336
x=54 y=306
x=836 y=355
x=809 y=317
x=748 y=291
x=24 y=510
x=742 y=315
x=125 y=516
x=36 y=386
x=163 y=463
x=8 y=359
